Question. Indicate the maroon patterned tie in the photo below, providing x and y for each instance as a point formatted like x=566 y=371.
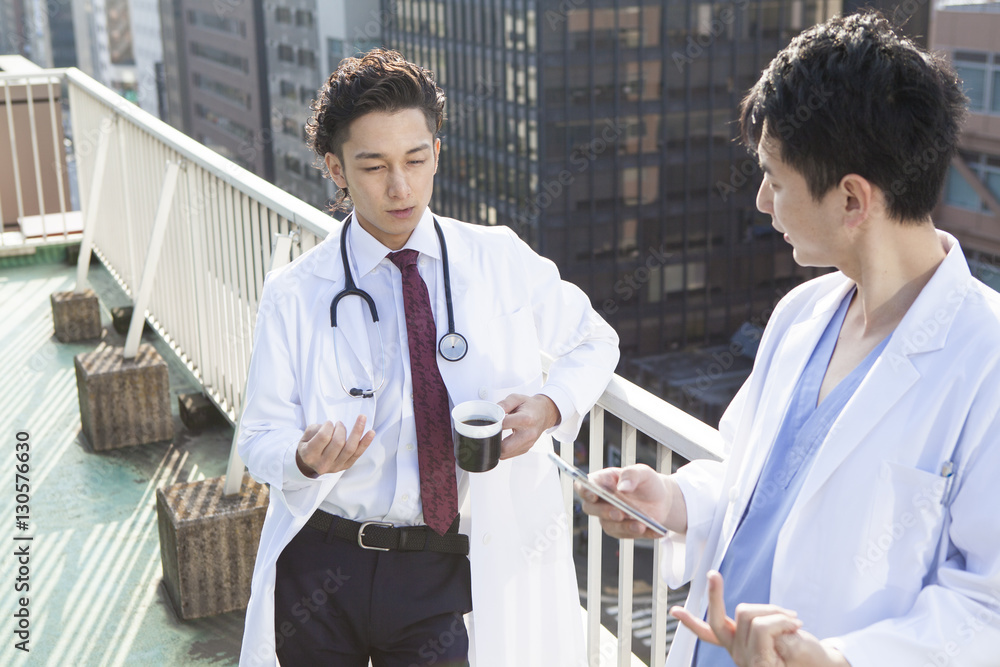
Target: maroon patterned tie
x=435 y=451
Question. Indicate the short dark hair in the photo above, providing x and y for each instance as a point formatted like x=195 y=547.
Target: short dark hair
x=851 y=96
x=380 y=80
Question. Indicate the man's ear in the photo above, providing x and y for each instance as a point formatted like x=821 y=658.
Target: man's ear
x=336 y=169
x=437 y=153
x=858 y=196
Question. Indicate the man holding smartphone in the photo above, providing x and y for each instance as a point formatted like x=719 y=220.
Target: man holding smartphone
x=853 y=521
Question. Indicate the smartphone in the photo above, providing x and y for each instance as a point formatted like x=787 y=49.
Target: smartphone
x=611 y=497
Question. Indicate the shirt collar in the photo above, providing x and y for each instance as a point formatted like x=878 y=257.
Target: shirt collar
x=366 y=251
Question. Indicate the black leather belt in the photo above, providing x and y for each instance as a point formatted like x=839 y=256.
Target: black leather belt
x=382 y=536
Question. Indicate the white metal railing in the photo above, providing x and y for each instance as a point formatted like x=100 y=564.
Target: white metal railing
x=674 y=431
x=152 y=193
x=35 y=197
x=188 y=234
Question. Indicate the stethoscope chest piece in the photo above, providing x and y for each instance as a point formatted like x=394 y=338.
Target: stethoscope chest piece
x=453 y=346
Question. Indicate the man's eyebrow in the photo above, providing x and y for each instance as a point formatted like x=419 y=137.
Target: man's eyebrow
x=766 y=168
x=379 y=156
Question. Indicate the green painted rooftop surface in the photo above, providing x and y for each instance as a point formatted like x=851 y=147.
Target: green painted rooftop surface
x=95 y=594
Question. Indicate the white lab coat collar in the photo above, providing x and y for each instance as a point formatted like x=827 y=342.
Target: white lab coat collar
x=367 y=252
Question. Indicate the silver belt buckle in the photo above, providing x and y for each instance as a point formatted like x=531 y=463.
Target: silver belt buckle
x=361 y=534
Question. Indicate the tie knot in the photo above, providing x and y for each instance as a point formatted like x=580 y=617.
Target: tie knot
x=404 y=258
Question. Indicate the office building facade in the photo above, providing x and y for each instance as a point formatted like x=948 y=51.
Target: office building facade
x=602 y=131
x=970 y=207
x=216 y=78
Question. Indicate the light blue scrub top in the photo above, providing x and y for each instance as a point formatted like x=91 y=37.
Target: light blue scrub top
x=746 y=567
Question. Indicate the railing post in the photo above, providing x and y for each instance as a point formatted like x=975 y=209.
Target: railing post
x=595 y=537
x=152 y=259
x=280 y=256
x=13 y=147
x=626 y=560
x=93 y=204
x=658 y=649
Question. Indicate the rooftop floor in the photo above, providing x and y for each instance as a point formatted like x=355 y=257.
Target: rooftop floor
x=95 y=595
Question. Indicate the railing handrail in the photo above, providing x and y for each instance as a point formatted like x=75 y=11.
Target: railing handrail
x=292 y=208
x=665 y=423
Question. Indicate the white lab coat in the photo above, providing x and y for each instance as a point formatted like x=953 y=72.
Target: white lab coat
x=857 y=557
x=510 y=304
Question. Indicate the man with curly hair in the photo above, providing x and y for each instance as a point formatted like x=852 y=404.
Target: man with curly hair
x=376 y=545
x=853 y=521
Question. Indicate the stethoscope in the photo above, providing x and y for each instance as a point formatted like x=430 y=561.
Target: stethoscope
x=452 y=345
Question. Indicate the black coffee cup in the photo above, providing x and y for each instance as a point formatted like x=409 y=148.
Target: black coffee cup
x=478 y=431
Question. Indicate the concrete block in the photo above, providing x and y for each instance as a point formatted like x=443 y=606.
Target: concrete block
x=76 y=317
x=121 y=318
x=123 y=403
x=197 y=412
x=208 y=544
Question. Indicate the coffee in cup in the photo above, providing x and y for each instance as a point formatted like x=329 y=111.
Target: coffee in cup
x=478 y=428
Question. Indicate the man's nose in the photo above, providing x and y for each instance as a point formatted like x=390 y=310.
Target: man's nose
x=765 y=198
x=398 y=186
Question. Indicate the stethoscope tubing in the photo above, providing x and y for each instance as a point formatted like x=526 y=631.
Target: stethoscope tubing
x=452 y=346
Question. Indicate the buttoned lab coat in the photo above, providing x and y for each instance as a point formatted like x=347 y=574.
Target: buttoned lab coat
x=510 y=304
x=860 y=557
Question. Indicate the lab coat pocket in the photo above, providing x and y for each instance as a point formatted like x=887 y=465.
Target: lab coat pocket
x=514 y=348
x=906 y=524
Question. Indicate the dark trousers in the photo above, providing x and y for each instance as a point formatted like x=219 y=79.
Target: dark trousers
x=338 y=604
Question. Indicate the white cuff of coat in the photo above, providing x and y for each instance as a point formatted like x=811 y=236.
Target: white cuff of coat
x=294 y=479
x=681 y=554
x=563 y=431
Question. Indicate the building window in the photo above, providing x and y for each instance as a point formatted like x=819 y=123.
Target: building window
x=216 y=22
x=980 y=74
x=220 y=57
x=293 y=164
x=303 y=18
x=283 y=15
x=305 y=95
x=960 y=194
x=227 y=124
x=225 y=91
x=307 y=58
x=288 y=89
x=286 y=53
x=290 y=127
x=334 y=53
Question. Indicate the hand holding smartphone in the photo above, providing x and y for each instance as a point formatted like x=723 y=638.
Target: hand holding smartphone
x=611 y=497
